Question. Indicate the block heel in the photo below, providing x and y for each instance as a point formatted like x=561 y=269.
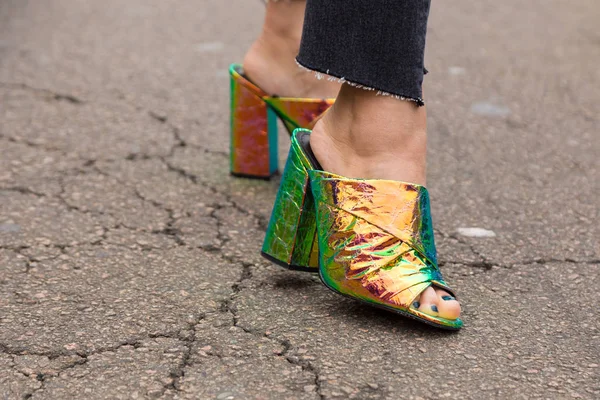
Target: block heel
x=253 y=152
x=291 y=235
x=254 y=125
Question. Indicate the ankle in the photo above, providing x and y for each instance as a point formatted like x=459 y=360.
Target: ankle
x=372 y=137
x=272 y=55
x=271 y=64
x=285 y=19
x=280 y=37
x=271 y=60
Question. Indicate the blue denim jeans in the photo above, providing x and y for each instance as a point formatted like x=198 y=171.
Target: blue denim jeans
x=374 y=44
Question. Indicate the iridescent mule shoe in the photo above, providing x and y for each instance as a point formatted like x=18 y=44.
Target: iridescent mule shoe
x=371 y=240
x=254 y=115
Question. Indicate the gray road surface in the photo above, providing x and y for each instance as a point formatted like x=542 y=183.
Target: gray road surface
x=129 y=262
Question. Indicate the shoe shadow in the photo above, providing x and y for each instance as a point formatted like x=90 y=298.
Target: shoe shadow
x=294 y=281
x=350 y=311
x=378 y=319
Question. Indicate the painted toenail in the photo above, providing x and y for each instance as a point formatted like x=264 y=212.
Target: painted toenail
x=434 y=308
x=416 y=304
x=447 y=298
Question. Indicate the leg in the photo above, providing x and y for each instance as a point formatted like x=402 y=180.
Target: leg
x=270 y=86
x=365 y=134
x=270 y=61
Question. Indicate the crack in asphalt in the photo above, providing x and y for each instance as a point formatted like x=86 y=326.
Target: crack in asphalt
x=305 y=365
x=170 y=230
x=22 y=190
x=53 y=95
x=179 y=372
x=485 y=264
x=29 y=260
x=14 y=367
x=163 y=119
x=175 y=374
x=42 y=378
x=260 y=219
x=174 y=234
x=228 y=305
x=33 y=145
x=52 y=354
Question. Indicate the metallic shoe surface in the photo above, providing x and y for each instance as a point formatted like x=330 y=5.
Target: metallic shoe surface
x=295 y=112
x=253 y=138
x=376 y=242
x=291 y=234
x=299 y=112
x=254 y=114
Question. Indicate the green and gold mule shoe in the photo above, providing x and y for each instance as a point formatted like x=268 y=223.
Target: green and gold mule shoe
x=369 y=239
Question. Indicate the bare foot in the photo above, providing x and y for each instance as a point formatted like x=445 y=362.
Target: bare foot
x=271 y=60
x=368 y=136
x=376 y=137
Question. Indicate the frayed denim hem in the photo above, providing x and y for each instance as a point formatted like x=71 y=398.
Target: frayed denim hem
x=335 y=78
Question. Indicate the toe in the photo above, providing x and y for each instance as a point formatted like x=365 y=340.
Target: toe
x=427 y=302
x=448 y=307
x=437 y=302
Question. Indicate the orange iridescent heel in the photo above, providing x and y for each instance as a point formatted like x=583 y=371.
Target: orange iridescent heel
x=373 y=238
x=254 y=114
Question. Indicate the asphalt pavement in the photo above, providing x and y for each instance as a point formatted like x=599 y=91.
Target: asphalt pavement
x=129 y=258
